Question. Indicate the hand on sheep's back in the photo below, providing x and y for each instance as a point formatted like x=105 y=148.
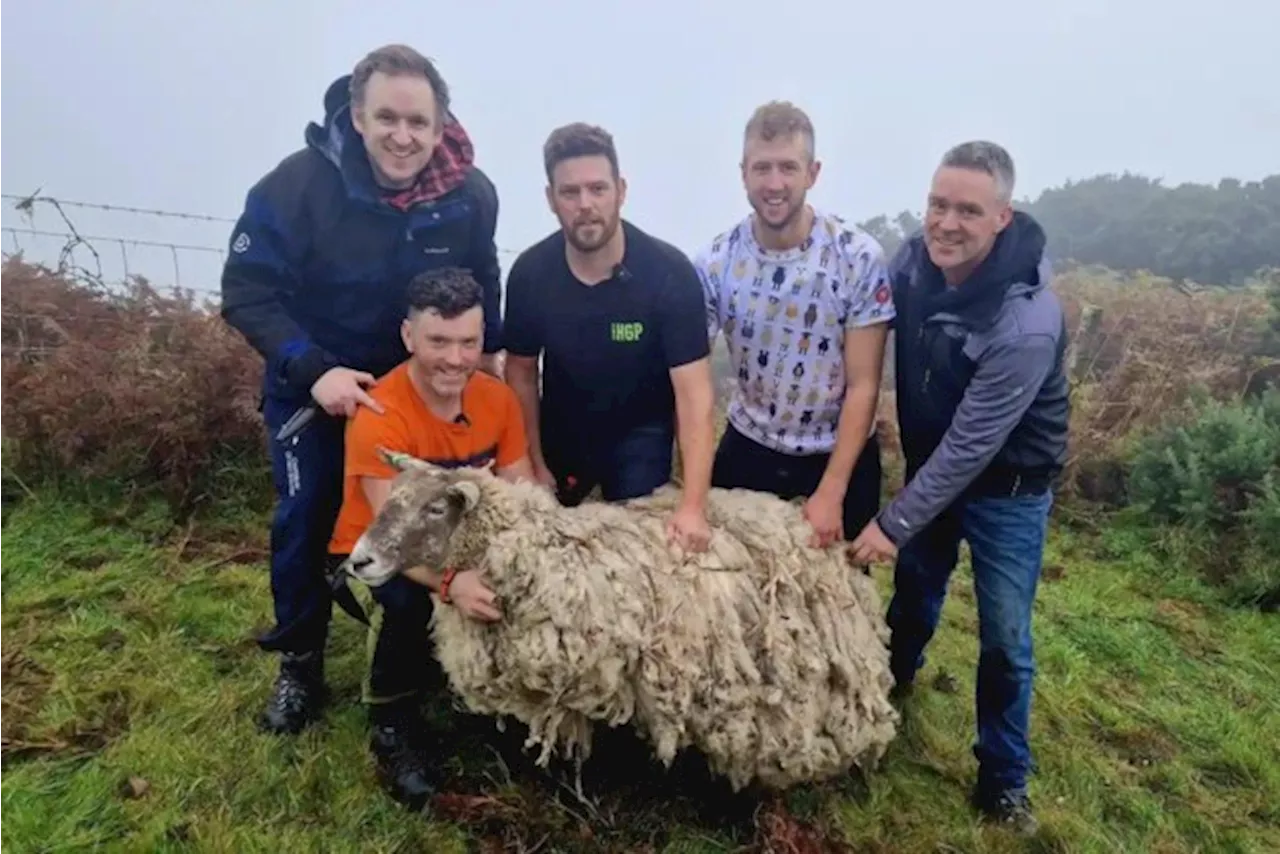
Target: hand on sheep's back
x=687 y=528
x=764 y=653
x=471 y=596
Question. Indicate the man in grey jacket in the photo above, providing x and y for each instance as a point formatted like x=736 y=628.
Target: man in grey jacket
x=983 y=414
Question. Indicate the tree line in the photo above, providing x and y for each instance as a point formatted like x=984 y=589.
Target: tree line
x=1221 y=235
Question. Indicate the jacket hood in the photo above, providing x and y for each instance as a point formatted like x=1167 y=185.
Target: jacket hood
x=1014 y=267
x=336 y=139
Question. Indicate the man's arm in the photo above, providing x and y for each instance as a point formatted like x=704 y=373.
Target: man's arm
x=512 y=462
x=261 y=270
x=483 y=261
x=522 y=375
x=687 y=350
x=1007 y=380
x=523 y=340
x=695 y=427
x=376 y=490
x=520 y=470
x=709 y=279
x=868 y=306
x=863 y=366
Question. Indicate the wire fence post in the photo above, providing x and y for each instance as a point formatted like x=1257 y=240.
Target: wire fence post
x=73 y=239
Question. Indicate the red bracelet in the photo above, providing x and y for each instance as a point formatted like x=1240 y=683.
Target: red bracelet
x=445 y=580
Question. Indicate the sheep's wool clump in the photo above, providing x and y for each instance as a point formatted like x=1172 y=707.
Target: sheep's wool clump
x=765 y=654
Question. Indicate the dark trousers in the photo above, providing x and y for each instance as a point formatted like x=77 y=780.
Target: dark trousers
x=307 y=470
x=634 y=465
x=1006 y=537
x=742 y=463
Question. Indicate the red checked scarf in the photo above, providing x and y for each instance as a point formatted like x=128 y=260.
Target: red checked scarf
x=446 y=170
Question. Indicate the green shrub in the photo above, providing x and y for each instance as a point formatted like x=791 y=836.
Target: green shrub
x=1218 y=477
x=1205 y=474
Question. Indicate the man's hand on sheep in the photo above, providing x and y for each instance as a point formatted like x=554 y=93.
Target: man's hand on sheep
x=872 y=546
x=469 y=595
x=543 y=476
x=466 y=592
x=688 y=528
x=825 y=512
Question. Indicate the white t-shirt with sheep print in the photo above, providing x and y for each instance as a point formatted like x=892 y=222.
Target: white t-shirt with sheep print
x=784 y=315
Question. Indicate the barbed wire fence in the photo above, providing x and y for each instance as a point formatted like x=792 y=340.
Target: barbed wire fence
x=191 y=266
x=194 y=266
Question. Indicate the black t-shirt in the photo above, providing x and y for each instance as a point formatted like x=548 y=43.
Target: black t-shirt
x=607 y=348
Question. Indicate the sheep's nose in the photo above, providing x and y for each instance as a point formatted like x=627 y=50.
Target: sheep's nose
x=357 y=564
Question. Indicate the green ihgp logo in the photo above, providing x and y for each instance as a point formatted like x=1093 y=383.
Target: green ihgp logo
x=626 y=331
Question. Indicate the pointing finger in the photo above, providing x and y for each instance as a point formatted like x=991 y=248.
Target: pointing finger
x=362 y=396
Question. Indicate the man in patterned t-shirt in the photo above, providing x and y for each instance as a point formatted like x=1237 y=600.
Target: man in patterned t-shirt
x=804 y=303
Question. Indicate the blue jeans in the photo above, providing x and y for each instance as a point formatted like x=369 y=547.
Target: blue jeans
x=634 y=465
x=1006 y=539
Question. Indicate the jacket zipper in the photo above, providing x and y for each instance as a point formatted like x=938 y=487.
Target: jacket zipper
x=928 y=369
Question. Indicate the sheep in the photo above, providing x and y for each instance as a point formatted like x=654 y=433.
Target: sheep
x=767 y=655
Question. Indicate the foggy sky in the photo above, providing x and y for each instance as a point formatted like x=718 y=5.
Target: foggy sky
x=182 y=106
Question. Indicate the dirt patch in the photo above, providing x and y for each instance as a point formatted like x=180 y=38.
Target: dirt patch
x=1053 y=572
x=1176 y=609
x=210 y=547
x=780 y=832
x=25 y=683
x=625 y=801
x=1140 y=748
x=945 y=683
x=87 y=561
x=227 y=659
x=1184 y=621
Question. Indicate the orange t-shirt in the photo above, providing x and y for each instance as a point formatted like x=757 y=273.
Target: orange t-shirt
x=493 y=430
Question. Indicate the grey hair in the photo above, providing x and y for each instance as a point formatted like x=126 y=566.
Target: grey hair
x=987 y=157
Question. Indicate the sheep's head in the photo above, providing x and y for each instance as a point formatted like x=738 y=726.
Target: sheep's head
x=414 y=526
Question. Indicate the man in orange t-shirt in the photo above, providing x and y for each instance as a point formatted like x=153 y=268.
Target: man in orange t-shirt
x=438 y=407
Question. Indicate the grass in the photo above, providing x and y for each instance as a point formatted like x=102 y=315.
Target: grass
x=131 y=683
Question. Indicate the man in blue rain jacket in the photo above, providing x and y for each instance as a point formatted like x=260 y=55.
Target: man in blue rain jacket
x=315 y=280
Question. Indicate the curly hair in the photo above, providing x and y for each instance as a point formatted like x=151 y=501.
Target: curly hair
x=449 y=292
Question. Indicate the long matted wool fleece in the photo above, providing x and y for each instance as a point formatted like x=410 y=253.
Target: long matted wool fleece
x=767 y=655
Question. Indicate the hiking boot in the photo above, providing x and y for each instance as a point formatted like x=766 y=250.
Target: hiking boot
x=1010 y=808
x=397 y=745
x=298 y=696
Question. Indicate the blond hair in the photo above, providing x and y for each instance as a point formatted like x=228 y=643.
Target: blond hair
x=780 y=120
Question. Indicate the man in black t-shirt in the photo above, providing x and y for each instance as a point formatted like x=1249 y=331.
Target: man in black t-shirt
x=617 y=317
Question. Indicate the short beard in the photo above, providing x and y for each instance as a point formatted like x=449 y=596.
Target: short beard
x=606 y=234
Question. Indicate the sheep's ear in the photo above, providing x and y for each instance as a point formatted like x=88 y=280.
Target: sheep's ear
x=465 y=492
x=400 y=461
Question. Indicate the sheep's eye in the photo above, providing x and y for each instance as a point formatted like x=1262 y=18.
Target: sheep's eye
x=438 y=508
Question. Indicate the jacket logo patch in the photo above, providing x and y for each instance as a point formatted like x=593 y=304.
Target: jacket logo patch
x=241 y=244
x=435 y=250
